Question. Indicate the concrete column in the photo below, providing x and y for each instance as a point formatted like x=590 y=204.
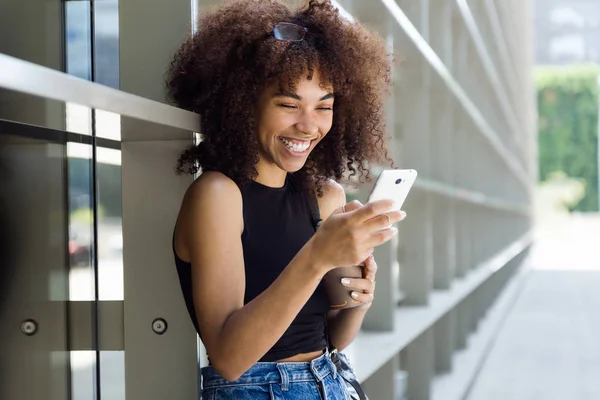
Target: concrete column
x=463 y=324
x=460 y=337
x=442 y=163
x=417 y=245
x=441 y=139
x=475 y=236
x=462 y=145
x=414 y=102
x=419 y=363
x=382 y=384
x=156 y=366
x=444 y=342
x=381 y=316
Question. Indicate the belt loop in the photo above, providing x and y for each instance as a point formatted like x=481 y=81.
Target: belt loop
x=285 y=378
x=332 y=364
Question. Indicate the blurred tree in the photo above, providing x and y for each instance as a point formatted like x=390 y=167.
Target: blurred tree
x=568 y=127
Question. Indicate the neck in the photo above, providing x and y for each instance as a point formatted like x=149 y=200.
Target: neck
x=271 y=176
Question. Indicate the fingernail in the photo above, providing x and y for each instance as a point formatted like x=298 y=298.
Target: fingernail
x=394 y=230
x=354 y=295
x=345 y=281
x=402 y=214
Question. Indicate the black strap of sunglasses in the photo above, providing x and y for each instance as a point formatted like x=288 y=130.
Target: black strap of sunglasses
x=317 y=221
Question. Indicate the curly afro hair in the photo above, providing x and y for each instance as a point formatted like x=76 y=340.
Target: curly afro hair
x=220 y=71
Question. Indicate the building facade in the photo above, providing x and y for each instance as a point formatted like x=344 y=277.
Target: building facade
x=92 y=307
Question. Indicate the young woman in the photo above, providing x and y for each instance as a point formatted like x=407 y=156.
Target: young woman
x=290 y=101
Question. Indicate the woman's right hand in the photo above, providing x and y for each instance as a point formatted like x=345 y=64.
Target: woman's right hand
x=351 y=233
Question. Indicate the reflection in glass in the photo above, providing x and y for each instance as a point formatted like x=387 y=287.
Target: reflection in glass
x=82 y=285
x=112 y=375
x=79 y=119
x=106 y=42
x=78 y=41
x=83 y=374
x=108 y=125
x=81 y=222
x=110 y=232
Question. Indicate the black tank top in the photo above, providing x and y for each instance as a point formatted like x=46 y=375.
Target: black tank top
x=277 y=224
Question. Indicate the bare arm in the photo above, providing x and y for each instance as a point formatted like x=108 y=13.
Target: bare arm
x=209 y=235
x=344 y=324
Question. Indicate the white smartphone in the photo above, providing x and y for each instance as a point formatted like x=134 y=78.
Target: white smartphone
x=393 y=184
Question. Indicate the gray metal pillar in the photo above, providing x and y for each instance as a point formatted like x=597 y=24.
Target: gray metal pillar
x=39 y=290
x=156 y=366
x=36 y=181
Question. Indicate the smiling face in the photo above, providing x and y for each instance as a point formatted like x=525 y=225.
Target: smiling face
x=290 y=125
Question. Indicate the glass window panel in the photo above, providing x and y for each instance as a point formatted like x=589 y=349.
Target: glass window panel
x=81 y=223
x=110 y=232
x=106 y=42
x=78 y=39
x=112 y=375
x=83 y=374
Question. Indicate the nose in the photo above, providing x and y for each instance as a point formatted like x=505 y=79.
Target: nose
x=307 y=125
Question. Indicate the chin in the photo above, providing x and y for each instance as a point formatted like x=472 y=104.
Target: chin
x=292 y=167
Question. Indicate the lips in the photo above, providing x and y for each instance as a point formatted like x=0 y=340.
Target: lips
x=296 y=145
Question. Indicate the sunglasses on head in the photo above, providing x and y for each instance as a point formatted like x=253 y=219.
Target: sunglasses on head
x=287 y=31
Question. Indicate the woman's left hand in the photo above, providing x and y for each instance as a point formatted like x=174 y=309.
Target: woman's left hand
x=363 y=289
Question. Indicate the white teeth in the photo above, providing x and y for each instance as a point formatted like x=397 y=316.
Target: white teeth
x=298 y=148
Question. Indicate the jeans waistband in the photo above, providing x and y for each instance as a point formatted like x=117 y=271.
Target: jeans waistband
x=275 y=372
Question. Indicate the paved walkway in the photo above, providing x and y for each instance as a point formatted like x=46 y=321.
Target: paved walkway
x=549 y=345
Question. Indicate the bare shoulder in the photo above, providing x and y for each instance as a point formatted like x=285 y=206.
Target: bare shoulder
x=334 y=197
x=213 y=185
x=213 y=201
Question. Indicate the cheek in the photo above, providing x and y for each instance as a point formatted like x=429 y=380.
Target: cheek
x=272 y=123
x=325 y=126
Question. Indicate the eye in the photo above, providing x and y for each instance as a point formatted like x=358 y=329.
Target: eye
x=290 y=106
x=325 y=108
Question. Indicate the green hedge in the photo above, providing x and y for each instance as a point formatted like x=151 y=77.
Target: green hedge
x=568 y=126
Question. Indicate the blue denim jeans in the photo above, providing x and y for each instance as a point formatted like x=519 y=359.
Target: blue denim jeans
x=315 y=380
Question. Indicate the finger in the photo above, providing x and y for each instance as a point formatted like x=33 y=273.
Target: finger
x=373 y=209
x=380 y=237
x=351 y=206
x=362 y=297
x=370 y=268
x=358 y=285
x=372 y=289
x=384 y=221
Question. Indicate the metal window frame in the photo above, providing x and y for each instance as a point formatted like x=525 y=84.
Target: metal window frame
x=26 y=77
